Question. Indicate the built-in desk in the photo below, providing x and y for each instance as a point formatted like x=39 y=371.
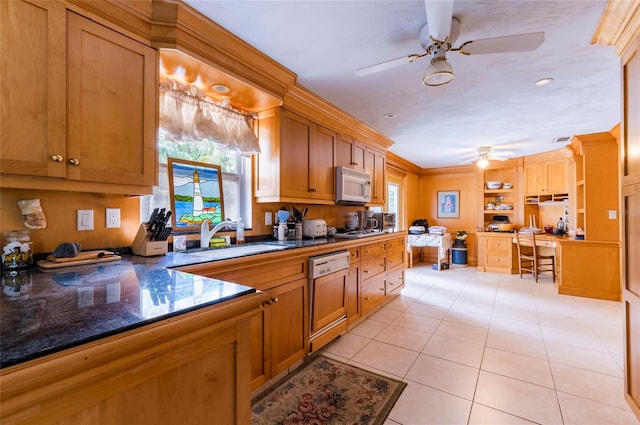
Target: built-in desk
x=583 y=268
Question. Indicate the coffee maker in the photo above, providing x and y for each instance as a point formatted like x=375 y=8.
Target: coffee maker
x=367 y=222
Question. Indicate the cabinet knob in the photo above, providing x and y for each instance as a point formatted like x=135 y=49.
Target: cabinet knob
x=382 y=289
x=313 y=189
x=366 y=298
x=365 y=271
x=57 y=158
x=74 y=161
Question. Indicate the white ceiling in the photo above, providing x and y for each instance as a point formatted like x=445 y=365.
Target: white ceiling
x=493 y=99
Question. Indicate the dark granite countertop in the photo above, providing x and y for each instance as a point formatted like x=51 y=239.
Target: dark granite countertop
x=46 y=311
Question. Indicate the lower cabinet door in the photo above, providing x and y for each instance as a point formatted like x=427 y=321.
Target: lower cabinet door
x=353 y=293
x=395 y=281
x=372 y=293
x=287 y=325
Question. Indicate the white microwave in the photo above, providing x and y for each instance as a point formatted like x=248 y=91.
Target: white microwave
x=353 y=187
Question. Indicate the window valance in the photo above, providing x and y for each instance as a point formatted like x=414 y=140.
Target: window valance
x=187 y=114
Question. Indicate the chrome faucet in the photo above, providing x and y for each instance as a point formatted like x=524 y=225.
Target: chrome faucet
x=206 y=233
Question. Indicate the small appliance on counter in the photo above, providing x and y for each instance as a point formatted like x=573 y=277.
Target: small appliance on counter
x=386 y=221
x=314 y=228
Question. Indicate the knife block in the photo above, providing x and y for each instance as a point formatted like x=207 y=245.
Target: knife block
x=144 y=247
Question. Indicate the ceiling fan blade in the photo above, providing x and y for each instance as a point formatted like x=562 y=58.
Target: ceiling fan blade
x=383 y=66
x=439 y=13
x=510 y=43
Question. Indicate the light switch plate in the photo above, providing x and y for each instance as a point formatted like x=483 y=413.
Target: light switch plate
x=85 y=219
x=613 y=214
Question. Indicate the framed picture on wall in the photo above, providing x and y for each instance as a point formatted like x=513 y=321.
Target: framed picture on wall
x=196 y=193
x=449 y=204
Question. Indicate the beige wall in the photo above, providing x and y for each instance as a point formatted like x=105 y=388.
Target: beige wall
x=467 y=184
x=60 y=210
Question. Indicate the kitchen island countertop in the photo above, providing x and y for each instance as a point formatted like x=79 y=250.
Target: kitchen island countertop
x=46 y=311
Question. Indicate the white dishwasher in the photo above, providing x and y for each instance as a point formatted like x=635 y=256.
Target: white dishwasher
x=327 y=298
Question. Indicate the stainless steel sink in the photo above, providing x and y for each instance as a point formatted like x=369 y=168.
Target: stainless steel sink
x=237 y=251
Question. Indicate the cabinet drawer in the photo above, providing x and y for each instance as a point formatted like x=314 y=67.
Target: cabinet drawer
x=395 y=259
x=396 y=244
x=395 y=281
x=373 y=250
x=372 y=294
x=499 y=245
x=354 y=255
x=499 y=261
x=373 y=266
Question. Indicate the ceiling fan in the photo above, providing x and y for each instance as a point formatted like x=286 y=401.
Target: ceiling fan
x=437 y=37
x=485 y=153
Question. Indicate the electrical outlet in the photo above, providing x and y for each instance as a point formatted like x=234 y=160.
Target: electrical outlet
x=268 y=218
x=613 y=214
x=113 y=218
x=85 y=219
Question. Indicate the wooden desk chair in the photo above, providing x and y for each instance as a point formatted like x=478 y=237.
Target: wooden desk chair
x=530 y=260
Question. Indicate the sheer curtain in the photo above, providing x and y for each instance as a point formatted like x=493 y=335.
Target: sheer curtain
x=186 y=114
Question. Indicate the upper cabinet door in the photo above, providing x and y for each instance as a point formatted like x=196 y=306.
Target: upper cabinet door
x=33 y=95
x=375 y=163
x=111 y=105
x=350 y=153
x=558 y=177
x=294 y=155
x=322 y=170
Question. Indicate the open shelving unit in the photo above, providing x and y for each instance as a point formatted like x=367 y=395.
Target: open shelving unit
x=499 y=197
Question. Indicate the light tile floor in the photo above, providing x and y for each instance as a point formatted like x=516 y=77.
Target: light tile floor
x=484 y=348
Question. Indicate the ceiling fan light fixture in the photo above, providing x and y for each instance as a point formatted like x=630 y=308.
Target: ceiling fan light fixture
x=483 y=162
x=438 y=73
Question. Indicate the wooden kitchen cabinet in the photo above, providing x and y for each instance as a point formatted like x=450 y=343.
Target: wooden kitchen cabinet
x=497 y=253
x=353 y=286
x=375 y=163
x=373 y=283
x=396 y=263
x=111 y=105
x=350 y=153
x=596 y=171
x=32 y=82
x=297 y=162
x=89 y=121
x=280 y=334
x=193 y=368
x=547 y=178
x=500 y=198
x=286 y=325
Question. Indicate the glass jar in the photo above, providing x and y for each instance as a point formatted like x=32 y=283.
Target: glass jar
x=16 y=250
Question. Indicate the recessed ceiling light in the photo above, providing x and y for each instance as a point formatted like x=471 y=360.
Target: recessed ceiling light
x=544 y=81
x=390 y=115
x=220 y=88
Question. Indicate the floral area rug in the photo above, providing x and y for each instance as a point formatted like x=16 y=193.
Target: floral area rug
x=325 y=391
